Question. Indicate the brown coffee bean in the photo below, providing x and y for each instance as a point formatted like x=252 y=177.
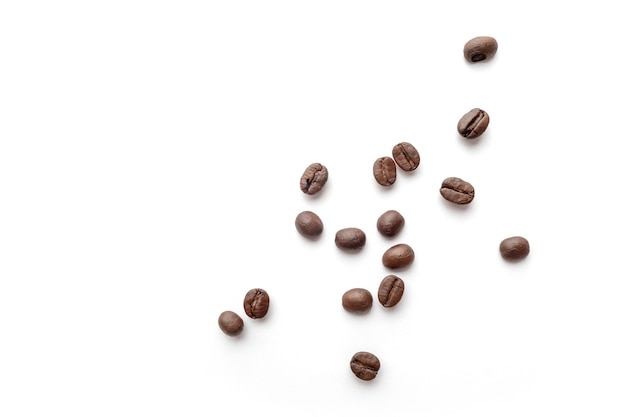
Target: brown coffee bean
x=313 y=178
x=473 y=123
x=350 y=238
x=309 y=224
x=357 y=300
x=230 y=323
x=406 y=156
x=480 y=48
x=390 y=223
x=390 y=291
x=457 y=191
x=385 y=171
x=365 y=365
x=398 y=256
x=256 y=303
x=514 y=248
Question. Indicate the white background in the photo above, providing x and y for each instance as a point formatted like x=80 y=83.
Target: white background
x=150 y=157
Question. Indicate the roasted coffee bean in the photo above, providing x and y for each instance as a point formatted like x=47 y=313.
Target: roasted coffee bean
x=313 y=178
x=480 y=48
x=406 y=156
x=309 y=224
x=230 y=323
x=473 y=123
x=457 y=191
x=514 y=248
x=365 y=365
x=357 y=300
x=256 y=303
x=390 y=291
x=385 y=171
x=390 y=223
x=350 y=238
x=398 y=256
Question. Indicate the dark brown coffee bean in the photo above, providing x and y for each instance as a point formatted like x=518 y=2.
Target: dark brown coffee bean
x=230 y=323
x=256 y=303
x=473 y=123
x=390 y=291
x=357 y=300
x=365 y=365
x=350 y=238
x=313 y=178
x=406 y=156
x=390 y=223
x=514 y=248
x=385 y=171
x=309 y=224
x=398 y=256
x=457 y=191
x=480 y=48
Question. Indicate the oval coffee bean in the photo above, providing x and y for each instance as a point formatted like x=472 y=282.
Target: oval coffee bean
x=390 y=291
x=473 y=123
x=350 y=238
x=365 y=365
x=457 y=191
x=406 y=156
x=480 y=48
x=514 y=248
x=385 y=171
x=357 y=300
x=256 y=303
x=398 y=256
x=230 y=323
x=309 y=224
x=390 y=223
x=313 y=178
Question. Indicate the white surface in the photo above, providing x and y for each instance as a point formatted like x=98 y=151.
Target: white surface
x=150 y=154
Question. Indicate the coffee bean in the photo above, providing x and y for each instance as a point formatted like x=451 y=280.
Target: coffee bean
x=473 y=123
x=390 y=291
x=390 y=223
x=230 y=323
x=398 y=256
x=406 y=156
x=357 y=300
x=309 y=224
x=313 y=178
x=457 y=191
x=514 y=248
x=365 y=365
x=256 y=303
x=350 y=238
x=480 y=48
x=385 y=171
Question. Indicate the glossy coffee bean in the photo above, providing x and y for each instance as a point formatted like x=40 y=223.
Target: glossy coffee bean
x=365 y=365
x=385 y=171
x=390 y=291
x=457 y=191
x=514 y=248
x=314 y=178
x=256 y=303
x=309 y=224
x=357 y=300
x=398 y=256
x=480 y=48
x=473 y=123
x=230 y=323
x=406 y=156
x=350 y=238
x=390 y=223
